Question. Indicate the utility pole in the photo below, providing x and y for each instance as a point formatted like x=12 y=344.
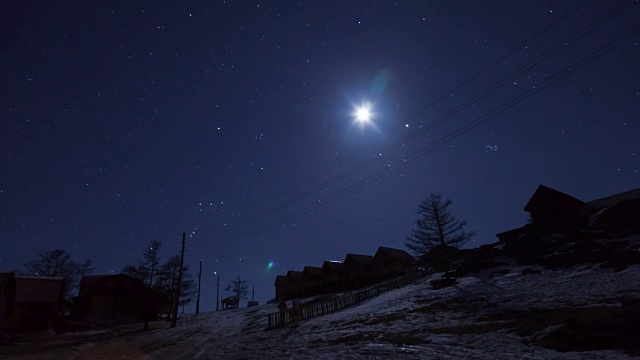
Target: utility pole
x=218 y=291
x=174 y=320
x=199 y=279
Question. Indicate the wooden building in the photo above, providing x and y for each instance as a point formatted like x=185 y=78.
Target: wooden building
x=390 y=263
x=618 y=215
x=7 y=297
x=333 y=276
x=295 y=284
x=552 y=210
x=230 y=302
x=355 y=272
x=110 y=299
x=281 y=287
x=359 y=270
x=312 y=279
x=513 y=234
x=37 y=304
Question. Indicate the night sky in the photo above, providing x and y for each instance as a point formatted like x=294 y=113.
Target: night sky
x=233 y=121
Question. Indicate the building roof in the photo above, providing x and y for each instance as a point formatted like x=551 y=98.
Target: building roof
x=543 y=195
x=36 y=277
x=394 y=253
x=513 y=233
x=280 y=279
x=294 y=275
x=614 y=199
x=359 y=259
x=312 y=270
x=333 y=265
x=39 y=288
x=89 y=280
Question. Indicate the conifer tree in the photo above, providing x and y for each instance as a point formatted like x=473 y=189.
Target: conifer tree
x=436 y=227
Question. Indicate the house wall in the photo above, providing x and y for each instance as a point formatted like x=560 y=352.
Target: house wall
x=358 y=275
x=113 y=299
x=7 y=296
x=32 y=316
x=114 y=310
x=391 y=269
x=332 y=280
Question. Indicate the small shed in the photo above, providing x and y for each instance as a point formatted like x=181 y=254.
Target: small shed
x=229 y=302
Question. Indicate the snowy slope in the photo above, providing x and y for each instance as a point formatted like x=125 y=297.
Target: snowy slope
x=497 y=314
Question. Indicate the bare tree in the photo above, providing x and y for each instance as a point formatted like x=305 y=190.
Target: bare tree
x=132 y=271
x=167 y=283
x=187 y=288
x=86 y=267
x=151 y=259
x=147 y=267
x=58 y=263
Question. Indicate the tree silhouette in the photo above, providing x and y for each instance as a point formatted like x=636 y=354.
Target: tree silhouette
x=240 y=289
x=58 y=263
x=167 y=282
x=147 y=268
x=436 y=227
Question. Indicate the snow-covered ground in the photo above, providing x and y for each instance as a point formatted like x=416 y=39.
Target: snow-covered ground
x=497 y=314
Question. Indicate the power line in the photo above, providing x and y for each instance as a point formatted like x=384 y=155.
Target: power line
x=436 y=101
x=469 y=126
x=564 y=44
x=532 y=91
x=490 y=66
x=584 y=31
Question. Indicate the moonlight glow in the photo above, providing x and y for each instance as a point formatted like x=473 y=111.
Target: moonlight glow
x=363 y=113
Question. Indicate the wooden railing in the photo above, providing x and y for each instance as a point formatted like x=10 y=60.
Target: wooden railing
x=339 y=302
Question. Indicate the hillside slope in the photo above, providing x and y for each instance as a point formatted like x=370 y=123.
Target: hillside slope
x=584 y=312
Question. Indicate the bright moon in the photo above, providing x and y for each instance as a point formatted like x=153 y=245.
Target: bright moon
x=363 y=114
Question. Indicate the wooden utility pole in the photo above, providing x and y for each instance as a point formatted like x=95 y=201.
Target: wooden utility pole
x=174 y=320
x=199 y=279
x=218 y=291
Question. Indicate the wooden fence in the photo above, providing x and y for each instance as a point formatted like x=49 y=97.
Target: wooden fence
x=340 y=302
